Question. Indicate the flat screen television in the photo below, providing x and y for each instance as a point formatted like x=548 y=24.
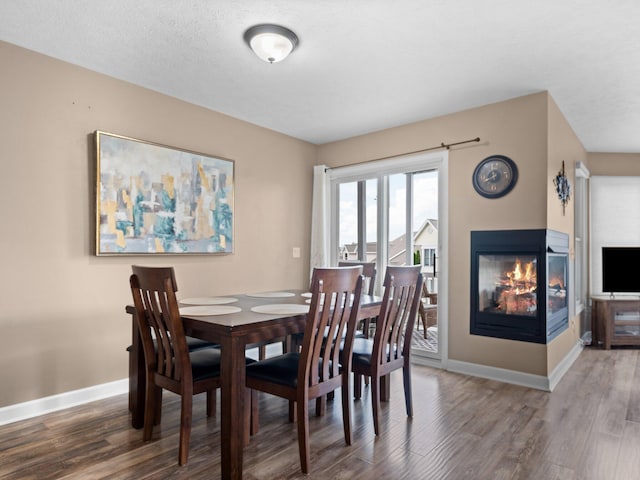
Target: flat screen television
x=620 y=269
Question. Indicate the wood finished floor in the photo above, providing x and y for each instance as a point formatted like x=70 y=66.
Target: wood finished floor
x=463 y=428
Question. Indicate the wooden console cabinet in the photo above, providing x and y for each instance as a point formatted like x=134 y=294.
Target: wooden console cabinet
x=615 y=320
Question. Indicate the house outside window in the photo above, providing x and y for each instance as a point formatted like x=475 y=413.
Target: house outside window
x=428 y=255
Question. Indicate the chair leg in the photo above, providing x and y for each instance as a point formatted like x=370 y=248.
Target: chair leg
x=211 y=402
x=357 y=386
x=150 y=406
x=385 y=387
x=158 y=406
x=292 y=411
x=321 y=405
x=303 y=434
x=247 y=416
x=406 y=377
x=425 y=324
x=375 y=402
x=185 y=427
x=346 y=408
x=255 y=418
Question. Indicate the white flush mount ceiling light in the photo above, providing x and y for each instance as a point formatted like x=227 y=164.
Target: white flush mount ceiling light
x=272 y=43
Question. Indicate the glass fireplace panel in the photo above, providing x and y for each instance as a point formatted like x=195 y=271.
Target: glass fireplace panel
x=507 y=284
x=557 y=287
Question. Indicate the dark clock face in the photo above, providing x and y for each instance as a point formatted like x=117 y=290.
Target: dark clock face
x=495 y=176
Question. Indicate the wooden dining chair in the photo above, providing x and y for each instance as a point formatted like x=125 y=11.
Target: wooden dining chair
x=193 y=344
x=390 y=348
x=169 y=363
x=368 y=287
x=318 y=368
x=428 y=309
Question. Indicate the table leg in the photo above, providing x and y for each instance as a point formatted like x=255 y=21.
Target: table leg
x=232 y=374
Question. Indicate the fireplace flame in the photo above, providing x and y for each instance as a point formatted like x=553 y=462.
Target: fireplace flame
x=556 y=282
x=517 y=289
x=522 y=280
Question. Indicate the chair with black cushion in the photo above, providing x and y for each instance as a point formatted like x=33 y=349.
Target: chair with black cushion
x=318 y=368
x=169 y=362
x=368 y=287
x=390 y=348
x=193 y=344
x=428 y=309
x=368 y=272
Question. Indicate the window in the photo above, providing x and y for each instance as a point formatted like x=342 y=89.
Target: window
x=429 y=257
x=581 y=247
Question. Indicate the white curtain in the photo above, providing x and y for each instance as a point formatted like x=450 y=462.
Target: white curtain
x=320 y=218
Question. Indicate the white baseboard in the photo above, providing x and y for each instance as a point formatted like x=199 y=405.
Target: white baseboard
x=40 y=406
x=538 y=382
x=564 y=365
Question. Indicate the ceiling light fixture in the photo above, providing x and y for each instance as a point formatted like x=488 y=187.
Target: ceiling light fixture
x=272 y=43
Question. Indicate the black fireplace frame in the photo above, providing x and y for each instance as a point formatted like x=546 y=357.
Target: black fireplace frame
x=544 y=326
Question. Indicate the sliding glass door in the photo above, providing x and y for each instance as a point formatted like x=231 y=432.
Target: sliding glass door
x=389 y=214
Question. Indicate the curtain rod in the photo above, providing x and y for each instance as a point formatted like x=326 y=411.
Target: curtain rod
x=442 y=145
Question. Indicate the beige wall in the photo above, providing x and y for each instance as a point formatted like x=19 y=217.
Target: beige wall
x=523 y=129
x=615 y=164
x=563 y=146
x=62 y=310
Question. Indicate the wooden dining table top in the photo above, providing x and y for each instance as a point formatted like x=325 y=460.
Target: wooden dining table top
x=247 y=317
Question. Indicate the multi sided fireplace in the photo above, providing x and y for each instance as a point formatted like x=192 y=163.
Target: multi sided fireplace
x=519 y=284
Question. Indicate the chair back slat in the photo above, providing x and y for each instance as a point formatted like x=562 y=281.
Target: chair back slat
x=335 y=301
x=402 y=291
x=368 y=272
x=158 y=317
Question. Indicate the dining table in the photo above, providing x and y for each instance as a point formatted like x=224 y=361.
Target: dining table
x=234 y=322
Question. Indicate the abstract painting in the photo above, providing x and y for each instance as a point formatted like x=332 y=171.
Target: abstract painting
x=153 y=199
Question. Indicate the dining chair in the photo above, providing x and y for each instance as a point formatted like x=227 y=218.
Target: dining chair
x=428 y=309
x=169 y=363
x=318 y=367
x=368 y=287
x=193 y=344
x=390 y=348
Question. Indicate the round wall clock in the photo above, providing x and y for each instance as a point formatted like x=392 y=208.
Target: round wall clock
x=495 y=176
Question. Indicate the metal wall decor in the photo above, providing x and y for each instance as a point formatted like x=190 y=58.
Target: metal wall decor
x=563 y=188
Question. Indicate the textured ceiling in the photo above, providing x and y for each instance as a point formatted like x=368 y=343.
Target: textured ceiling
x=362 y=65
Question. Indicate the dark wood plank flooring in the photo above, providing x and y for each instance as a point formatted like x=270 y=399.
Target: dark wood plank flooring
x=463 y=428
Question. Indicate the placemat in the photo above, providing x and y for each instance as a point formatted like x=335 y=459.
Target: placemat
x=206 y=310
x=271 y=294
x=208 y=300
x=281 y=309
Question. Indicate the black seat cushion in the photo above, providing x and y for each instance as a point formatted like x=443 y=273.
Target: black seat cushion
x=192 y=343
x=281 y=369
x=195 y=344
x=362 y=350
x=205 y=363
